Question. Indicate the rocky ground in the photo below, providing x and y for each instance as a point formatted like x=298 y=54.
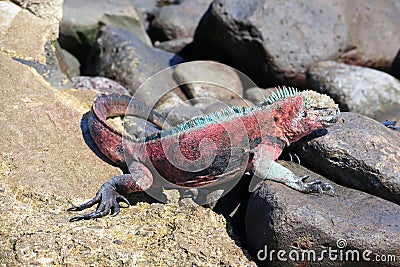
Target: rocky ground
x=56 y=56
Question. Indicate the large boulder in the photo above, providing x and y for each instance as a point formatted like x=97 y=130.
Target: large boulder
x=178 y=21
x=81 y=19
x=357 y=152
x=275 y=41
x=357 y=89
x=288 y=228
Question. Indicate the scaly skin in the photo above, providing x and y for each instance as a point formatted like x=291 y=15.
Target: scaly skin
x=207 y=150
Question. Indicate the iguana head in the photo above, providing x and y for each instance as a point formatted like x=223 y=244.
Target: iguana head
x=319 y=108
x=297 y=114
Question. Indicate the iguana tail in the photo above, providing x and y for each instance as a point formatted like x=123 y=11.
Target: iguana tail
x=109 y=139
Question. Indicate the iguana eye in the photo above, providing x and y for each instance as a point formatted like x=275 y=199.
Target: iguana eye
x=304 y=115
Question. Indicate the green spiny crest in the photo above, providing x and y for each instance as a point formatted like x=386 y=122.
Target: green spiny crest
x=215 y=117
x=281 y=93
x=218 y=116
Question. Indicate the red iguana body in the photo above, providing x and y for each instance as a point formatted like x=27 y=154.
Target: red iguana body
x=209 y=149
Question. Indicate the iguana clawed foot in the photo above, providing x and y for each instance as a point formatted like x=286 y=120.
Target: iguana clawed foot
x=107 y=198
x=317 y=186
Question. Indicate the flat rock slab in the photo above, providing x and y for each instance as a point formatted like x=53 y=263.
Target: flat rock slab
x=273 y=47
x=42 y=142
x=279 y=218
x=357 y=152
x=357 y=89
x=147 y=235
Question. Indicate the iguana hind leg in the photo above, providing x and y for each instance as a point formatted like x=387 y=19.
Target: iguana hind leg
x=264 y=167
x=114 y=190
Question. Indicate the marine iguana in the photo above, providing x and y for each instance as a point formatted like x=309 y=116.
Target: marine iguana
x=213 y=148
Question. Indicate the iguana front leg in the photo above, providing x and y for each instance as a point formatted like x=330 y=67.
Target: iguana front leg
x=115 y=190
x=264 y=167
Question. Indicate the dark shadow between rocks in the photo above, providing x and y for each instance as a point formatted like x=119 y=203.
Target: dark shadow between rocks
x=175 y=60
x=233 y=207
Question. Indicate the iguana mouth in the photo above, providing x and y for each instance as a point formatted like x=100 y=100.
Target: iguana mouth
x=329 y=120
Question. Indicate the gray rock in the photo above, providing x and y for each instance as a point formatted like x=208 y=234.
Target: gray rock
x=100 y=84
x=170 y=101
x=175 y=45
x=127 y=60
x=71 y=63
x=178 y=21
x=357 y=152
x=147 y=10
x=180 y=113
x=205 y=81
x=273 y=47
x=356 y=89
x=279 y=218
x=175 y=110
x=235 y=102
x=239 y=102
x=215 y=106
x=80 y=24
x=256 y=95
x=145 y=6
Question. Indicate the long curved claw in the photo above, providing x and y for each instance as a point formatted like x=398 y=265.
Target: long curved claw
x=108 y=201
x=89 y=216
x=116 y=208
x=86 y=205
